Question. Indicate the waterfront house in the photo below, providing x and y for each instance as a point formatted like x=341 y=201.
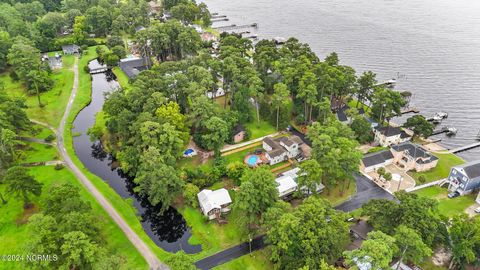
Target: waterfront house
x=373 y=161
x=410 y=156
x=282 y=148
x=465 y=178
x=214 y=203
x=132 y=66
x=386 y=136
x=70 y=49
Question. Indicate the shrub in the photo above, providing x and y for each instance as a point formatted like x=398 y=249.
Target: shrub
x=50 y=138
x=59 y=166
x=381 y=171
x=387 y=176
x=190 y=194
x=422 y=179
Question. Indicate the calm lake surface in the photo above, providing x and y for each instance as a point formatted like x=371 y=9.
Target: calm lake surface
x=169 y=230
x=432 y=47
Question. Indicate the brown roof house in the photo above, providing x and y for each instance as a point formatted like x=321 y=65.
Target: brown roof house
x=282 y=148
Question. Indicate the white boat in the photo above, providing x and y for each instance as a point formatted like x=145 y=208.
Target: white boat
x=390 y=83
x=436 y=119
x=452 y=131
x=441 y=115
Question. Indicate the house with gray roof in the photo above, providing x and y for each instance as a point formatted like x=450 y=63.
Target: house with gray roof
x=386 y=136
x=282 y=148
x=465 y=178
x=373 y=161
x=410 y=156
x=70 y=49
x=132 y=66
x=214 y=203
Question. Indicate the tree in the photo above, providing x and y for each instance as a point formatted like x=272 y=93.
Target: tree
x=258 y=192
x=20 y=184
x=98 y=20
x=307 y=237
x=463 y=240
x=79 y=29
x=235 y=170
x=362 y=129
x=410 y=246
x=280 y=97
x=366 y=84
x=190 y=192
x=386 y=104
x=215 y=134
x=5 y=44
x=419 y=125
x=310 y=176
x=376 y=252
x=180 y=261
x=387 y=176
x=79 y=251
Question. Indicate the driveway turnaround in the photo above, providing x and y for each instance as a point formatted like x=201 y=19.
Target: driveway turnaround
x=231 y=253
x=366 y=191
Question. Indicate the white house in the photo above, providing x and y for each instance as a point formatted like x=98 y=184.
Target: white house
x=213 y=203
x=389 y=135
x=282 y=148
x=286 y=186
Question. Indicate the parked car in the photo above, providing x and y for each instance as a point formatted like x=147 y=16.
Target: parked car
x=477 y=210
x=453 y=194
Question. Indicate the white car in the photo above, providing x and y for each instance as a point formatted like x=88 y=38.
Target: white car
x=477 y=210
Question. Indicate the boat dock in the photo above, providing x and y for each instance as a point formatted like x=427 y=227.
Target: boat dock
x=220 y=20
x=235 y=27
x=440 y=131
x=465 y=148
x=218 y=16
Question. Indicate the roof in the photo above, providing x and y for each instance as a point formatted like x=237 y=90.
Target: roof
x=276 y=152
x=270 y=142
x=471 y=169
x=72 y=48
x=376 y=158
x=132 y=66
x=213 y=199
x=341 y=115
x=389 y=131
x=238 y=128
x=285 y=183
x=415 y=151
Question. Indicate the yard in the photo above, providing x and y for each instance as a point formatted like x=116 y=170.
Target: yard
x=445 y=162
x=446 y=206
x=121 y=77
x=260 y=129
x=335 y=197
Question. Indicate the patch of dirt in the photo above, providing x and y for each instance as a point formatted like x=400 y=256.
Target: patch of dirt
x=27 y=213
x=441 y=257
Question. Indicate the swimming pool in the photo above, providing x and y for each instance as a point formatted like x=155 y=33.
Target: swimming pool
x=252 y=160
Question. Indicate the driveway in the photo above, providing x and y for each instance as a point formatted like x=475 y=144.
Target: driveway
x=366 y=191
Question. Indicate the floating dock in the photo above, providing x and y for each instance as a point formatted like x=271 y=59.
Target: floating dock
x=465 y=148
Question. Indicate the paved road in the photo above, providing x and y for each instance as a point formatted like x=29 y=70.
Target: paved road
x=366 y=190
x=231 y=253
x=149 y=256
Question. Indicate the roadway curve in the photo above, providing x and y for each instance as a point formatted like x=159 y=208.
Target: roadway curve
x=149 y=256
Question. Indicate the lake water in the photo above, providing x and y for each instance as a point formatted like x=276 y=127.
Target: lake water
x=432 y=47
x=168 y=230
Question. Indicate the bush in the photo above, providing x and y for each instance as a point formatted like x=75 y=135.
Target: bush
x=381 y=171
x=114 y=41
x=59 y=166
x=422 y=179
x=190 y=194
x=235 y=171
x=50 y=138
x=387 y=176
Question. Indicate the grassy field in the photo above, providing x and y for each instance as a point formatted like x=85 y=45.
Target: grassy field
x=442 y=170
x=257 y=130
x=36 y=152
x=258 y=260
x=446 y=206
x=54 y=100
x=121 y=77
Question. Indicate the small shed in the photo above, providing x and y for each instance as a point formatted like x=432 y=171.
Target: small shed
x=239 y=133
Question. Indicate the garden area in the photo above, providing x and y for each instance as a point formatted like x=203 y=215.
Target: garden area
x=445 y=162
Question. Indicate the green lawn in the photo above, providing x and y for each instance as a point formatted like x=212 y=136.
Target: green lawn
x=39 y=132
x=121 y=77
x=37 y=152
x=335 y=197
x=258 y=260
x=442 y=170
x=54 y=100
x=257 y=130
x=240 y=156
x=447 y=207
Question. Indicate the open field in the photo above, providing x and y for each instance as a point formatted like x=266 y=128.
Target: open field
x=447 y=207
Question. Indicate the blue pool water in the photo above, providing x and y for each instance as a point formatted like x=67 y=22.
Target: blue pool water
x=252 y=160
x=188 y=151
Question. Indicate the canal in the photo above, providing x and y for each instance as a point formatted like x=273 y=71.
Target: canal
x=168 y=230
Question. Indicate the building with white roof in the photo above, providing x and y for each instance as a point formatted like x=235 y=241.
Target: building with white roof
x=286 y=185
x=213 y=203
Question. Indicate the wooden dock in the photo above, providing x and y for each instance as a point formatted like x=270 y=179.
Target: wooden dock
x=439 y=131
x=220 y=20
x=98 y=70
x=235 y=27
x=465 y=148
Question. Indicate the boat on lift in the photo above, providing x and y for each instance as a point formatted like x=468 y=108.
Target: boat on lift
x=451 y=131
x=390 y=83
x=442 y=115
